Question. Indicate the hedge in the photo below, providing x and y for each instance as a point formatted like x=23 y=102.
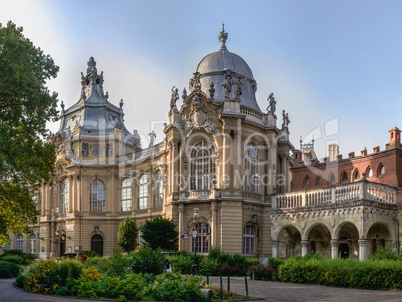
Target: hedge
x=315 y=269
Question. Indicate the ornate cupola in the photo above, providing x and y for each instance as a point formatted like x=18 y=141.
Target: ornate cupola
x=93 y=117
x=215 y=68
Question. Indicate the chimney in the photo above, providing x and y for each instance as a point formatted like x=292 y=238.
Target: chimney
x=363 y=152
x=376 y=149
x=394 y=139
x=351 y=155
x=333 y=152
x=339 y=157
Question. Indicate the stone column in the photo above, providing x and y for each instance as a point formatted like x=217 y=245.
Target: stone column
x=214 y=224
x=334 y=248
x=304 y=244
x=181 y=227
x=275 y=248
x=362 y=249
x=70 y=194
x=75 y=193
x=290 y=248
x=224 y=161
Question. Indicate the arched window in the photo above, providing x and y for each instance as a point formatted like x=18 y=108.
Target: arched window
x=203 y=238
x=97 y=197
x=158 y=190
x=307 y=183
x=32 y=244
x=249 y=240
x=20 y=243
x=319 y=181
x=202 y=165
x=126 y=194
x=332 y=179
x=369 y=172
x=251 y=178
x=63 y=195
x=344 y=177
x=381 y=170
x=97 y=244
x=143 y=192
x=356 y=175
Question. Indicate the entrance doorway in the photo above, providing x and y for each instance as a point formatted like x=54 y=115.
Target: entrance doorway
x=97 y=244
x=343 y=250
x=62 y=247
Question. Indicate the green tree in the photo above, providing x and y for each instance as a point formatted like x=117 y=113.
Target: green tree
x=25 y=107
x=161 y=233
x=127 y=235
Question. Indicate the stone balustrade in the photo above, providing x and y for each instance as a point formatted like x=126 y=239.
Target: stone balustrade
x=362 y=190
x=199 y=195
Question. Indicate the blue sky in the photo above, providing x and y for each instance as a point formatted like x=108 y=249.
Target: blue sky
x=323 y=60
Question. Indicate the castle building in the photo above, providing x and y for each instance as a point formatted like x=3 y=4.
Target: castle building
x=221 y=160
x=340 y=207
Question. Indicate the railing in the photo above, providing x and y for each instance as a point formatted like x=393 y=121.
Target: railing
x=362 y=190
x=199 y=195
x=254 y=196
x=251 y=114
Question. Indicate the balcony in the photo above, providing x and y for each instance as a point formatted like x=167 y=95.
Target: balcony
x=199 y=195
x=362 y=190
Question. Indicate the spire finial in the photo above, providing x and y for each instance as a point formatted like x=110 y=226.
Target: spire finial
x=223 y=36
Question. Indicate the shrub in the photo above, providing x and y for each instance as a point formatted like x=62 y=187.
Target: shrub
x=176 y=287
x=314 y=269
x=161 y=233
x=13 y=259
x=181 y=263
x=266 y=273
x=13 y=253
x=9 y=269
x=208 y=267
x=127 y=235
x=147 y=260
x=50 y=276
x=227 y=270
x=384 y=253
x=88 y=253
x=275 y=262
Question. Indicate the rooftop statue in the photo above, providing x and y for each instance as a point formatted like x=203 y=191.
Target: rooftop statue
x=286 y=121
x=174 y=98
x=239 y=82
x=228 y=83
x=272 y=104
x=211 y=90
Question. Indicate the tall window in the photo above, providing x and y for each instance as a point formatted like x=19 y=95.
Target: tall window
x=97 y=196
x=202 y=165
x=381 y=170
x=356 y=175
x=251 y=169
x=203 y=240
x=20 y=243
x=332 y=179
x=307 y=183
x=158 y=190
x=344 y=177
x=143 y=192
x=319 y=181
x=63 y=195
x=249 y=240
x=369 y=172
x=126 y=193
x=32 y=244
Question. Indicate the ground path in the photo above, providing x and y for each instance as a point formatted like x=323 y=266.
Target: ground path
x=280 y=292
x=266 y=291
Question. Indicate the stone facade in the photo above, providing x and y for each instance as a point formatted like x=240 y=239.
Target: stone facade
x=221 y=161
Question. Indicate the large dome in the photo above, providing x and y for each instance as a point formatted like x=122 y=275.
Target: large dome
x=213 y=68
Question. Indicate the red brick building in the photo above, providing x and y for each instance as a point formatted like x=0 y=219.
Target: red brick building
x=383 y=167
